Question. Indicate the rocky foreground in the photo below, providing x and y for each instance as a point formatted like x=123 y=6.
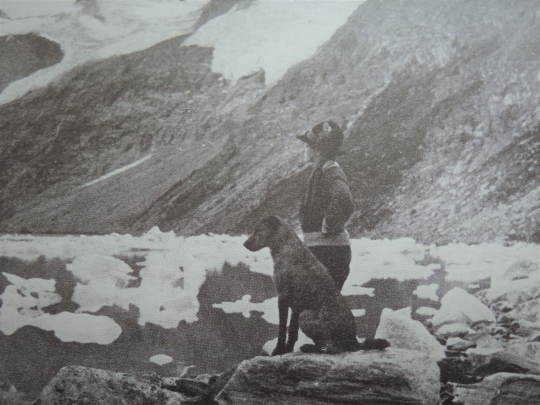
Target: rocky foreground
x=474 y=350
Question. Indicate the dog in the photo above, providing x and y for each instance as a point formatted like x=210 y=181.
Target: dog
x=305 y=286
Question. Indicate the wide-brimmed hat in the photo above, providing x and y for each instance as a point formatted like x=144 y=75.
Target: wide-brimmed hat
x=325 y=137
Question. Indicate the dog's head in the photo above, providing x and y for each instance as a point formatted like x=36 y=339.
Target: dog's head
x=264 y=232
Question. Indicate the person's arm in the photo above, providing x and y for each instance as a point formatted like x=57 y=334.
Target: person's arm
x=340 y=208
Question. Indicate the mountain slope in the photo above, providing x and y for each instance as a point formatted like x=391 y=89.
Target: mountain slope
x=21 y=55
x=441 y=102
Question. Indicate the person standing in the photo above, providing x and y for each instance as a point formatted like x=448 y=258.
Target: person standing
x=327 y=204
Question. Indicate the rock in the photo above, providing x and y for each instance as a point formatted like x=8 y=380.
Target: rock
x=500 y=389
x=459 y=344
x=527 y=314
x=488 y=342
x=404 y=333
x=391 y=376
x=458 y=306
x=481 y=355
x=522 y=353
x=463 y=370
x=496 y=365
x=426 y=312
x=78 y=385
x=454 y=330
x=457 y=370
x=520 y=283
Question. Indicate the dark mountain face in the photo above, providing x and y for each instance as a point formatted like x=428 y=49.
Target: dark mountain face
x=21 y=55
x=440 y=100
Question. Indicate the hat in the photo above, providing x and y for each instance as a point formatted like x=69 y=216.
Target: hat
x=326 y=137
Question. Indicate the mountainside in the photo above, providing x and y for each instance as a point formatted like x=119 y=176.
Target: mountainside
x=441 y=102
x=21 y=55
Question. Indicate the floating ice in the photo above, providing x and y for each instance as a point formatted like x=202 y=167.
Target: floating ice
x=172 y=270
x=458 y=306
x=428 y=292
x=161 y=359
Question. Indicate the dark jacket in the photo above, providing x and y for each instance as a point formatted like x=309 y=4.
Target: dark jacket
x=328 y=202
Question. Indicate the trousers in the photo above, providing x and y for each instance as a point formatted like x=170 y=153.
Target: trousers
x=336 y=259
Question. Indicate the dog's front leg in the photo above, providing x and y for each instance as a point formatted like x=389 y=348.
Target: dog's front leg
x=283 y=308
x=293 y=329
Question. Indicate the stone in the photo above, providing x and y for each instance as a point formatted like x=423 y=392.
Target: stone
x=459 y=344
x=82 y=385
x=405 y=333
x=527 y=315
x=457 y=370
x=391 y=376
x=450 y=330
x=522 y=353
x=519 y=284
x=500 y=389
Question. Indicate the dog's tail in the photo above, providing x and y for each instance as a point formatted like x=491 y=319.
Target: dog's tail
x=371 y=344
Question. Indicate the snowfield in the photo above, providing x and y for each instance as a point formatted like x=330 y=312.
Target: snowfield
x=174 y=268
x=93 y=33
x=271 y=35
x=268 y=34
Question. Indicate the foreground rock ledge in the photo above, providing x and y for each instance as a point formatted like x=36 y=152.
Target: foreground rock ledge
x=82 y=385
x=393 y=376
x=500 y=389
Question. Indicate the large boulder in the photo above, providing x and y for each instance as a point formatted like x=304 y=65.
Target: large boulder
x=392 y=376
x=405 y=333
x=500 y=389
x=81 y=385
x=458 y=306
x=520 y=283
x=523 y=354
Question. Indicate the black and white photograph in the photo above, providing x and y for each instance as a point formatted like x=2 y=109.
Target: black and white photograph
x=284 y=202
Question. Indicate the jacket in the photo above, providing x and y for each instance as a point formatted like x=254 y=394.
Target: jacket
x=326 y=207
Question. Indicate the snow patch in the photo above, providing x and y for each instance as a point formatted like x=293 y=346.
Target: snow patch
x=118 y=171
x=428 y=292
x=270 y=35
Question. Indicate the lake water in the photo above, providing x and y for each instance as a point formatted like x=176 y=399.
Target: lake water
x=116 y=301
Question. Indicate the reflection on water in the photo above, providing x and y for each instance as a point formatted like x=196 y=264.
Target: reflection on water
x=214 y=343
